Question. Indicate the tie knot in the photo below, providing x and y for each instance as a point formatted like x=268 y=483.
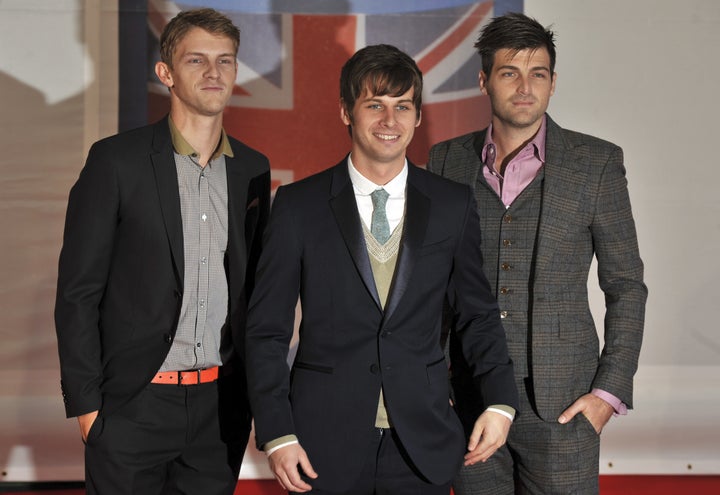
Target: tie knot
x=379 y=198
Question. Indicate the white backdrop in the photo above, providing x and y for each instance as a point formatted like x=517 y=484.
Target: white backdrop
x=644 y=74
x=641 y=73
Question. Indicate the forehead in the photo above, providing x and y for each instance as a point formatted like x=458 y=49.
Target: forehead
x=529 y=57
x=198 y=40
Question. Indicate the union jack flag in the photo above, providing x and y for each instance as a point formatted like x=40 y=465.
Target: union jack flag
x=286 y=98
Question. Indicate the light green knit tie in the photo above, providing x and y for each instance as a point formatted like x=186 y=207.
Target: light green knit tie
x=379 y=226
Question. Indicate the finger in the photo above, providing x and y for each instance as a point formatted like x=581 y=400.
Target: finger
x=476 y=436
x=481 y=454
x=569 y=413
x=307 y=467
x=291 y=480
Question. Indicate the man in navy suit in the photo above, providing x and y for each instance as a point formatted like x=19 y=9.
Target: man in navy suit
x=161 y=240
x=373 y=247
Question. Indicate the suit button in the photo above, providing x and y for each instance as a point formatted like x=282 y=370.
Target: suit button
x=503 y=314
x=504 y=290
x=508 y=218
x=168 y=338
x=507 y=242
x=505 y=266
x=374 y=368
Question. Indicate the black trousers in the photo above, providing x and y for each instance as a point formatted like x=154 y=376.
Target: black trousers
x=388 y=470
x=170 y=439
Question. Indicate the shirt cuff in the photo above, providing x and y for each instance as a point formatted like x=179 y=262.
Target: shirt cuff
x=506 y=411
x=279 y=443
x=617 y=404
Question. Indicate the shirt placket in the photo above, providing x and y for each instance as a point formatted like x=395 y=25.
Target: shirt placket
x=204 y=233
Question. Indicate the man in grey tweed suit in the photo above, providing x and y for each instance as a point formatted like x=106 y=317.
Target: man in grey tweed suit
x=549 y=200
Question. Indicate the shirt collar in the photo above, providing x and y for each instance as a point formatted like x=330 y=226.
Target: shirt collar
x=538 y=142
x=182 y=147
x=364 y=186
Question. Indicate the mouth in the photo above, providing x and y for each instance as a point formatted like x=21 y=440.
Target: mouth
x=386 y=137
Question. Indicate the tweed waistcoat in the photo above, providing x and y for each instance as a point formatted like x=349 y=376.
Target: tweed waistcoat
x=509 y=242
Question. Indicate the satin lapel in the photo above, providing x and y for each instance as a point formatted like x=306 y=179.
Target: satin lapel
x=417 y=214
x=163 y=163
x=344 y=208
x=563 y=188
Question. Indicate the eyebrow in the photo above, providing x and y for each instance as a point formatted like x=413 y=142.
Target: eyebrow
x=201 y=54
x=515 y=67
x=377 y=99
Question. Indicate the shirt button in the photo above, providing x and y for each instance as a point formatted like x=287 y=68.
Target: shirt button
x=198 y=344
x=203 y=260
x=202 y=303
x=204 y=217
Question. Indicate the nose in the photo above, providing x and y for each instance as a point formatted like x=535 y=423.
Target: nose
x=524 y=86
x=388 y=117
x=212 y=72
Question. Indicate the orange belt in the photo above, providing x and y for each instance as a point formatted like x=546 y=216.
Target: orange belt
x=187 y=377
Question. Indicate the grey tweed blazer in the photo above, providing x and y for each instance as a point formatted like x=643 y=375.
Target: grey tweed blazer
x=585 y=212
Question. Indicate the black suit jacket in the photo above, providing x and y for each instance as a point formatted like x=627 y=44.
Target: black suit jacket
x=349 y=347
x=120 y=282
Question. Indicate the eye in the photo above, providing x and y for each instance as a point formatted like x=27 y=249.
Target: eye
x=403 y=107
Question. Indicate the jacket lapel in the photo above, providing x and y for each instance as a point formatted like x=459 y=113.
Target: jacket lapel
x=563 y=187
x=344 y=208
x=417 y=214
x=163 y=163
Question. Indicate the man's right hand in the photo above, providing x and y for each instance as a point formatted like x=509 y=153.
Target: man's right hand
x=86 y=421
x=284 y=465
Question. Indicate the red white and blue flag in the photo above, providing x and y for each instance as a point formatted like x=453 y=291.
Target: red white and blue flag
x=286 y=98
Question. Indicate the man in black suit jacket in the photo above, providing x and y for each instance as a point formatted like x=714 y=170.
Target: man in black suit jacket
x=366 y=407
x=161 y=240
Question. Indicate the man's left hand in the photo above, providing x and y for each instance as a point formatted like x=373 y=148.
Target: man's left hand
x=489 y=434
x=596 y=410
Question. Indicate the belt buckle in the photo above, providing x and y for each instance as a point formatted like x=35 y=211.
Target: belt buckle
x=183 y=375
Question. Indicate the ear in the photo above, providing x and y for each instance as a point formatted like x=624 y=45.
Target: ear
x=344 y=116
x=552 y=86
x=419 y=119
x=162 y=71
x=482 y=82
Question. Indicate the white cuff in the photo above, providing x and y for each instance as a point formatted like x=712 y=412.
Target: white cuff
x=269 y=452
x=500 y=411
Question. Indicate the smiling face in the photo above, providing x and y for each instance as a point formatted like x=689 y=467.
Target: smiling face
x=382 y=128
x=202 y=75
x=519 y=86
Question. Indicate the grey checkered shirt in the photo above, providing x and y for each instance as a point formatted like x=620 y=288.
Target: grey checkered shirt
x=203 y=315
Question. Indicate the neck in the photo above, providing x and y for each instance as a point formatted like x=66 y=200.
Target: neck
x=201 y=132
x=509 y=140
x=377 y=172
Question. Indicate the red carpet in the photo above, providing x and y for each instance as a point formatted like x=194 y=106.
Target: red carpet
x=609 y=485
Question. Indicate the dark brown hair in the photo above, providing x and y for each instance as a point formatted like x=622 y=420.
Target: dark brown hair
x=384 y=70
